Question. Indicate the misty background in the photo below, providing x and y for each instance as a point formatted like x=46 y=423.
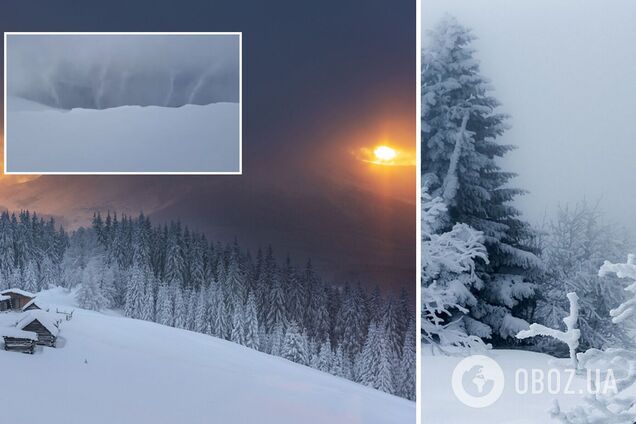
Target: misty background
x=564 y=72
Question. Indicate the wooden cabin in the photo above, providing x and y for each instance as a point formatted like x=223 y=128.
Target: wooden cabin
x=44 y=324
x=5 y=303
x=18 y=340
x=18 y=297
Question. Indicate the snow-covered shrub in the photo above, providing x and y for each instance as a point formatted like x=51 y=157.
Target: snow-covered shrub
x=627 y=270
x=570 y=337
x=609 y=404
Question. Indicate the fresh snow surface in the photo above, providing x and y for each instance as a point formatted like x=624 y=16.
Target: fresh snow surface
x=111 y=369
x=439 y=404
x=190 y=138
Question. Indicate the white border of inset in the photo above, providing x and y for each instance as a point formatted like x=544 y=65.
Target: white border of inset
x=418 y=211
x=4 y=135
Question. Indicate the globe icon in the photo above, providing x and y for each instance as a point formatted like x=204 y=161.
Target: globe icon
x=476 y=383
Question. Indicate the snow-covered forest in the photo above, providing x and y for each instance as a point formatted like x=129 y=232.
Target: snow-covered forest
x=491 y=281
x=176 y=277
x=487 y=273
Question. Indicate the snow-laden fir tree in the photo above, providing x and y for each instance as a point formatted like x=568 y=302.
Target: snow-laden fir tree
x=449 y=280
x=238 y=325
x=30 y=278
x=294 y=345
x=252 y=337
x=406 y=372
x=460 y=132
x=201 y=317
x=165 y=313
x=325 y=357
x=90 y=295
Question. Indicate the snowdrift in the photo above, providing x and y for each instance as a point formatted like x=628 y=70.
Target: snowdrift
x=191 y=138
x=113 y=369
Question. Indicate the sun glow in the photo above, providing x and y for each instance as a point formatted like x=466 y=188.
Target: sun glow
x=384 y=153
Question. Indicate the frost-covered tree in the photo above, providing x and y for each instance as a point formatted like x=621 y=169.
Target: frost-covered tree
x=201 y=315
x=252 y=337
x=238 y=325
x=30 y=278
x=406 y=371
x=179 y=308
x=460 y=131
x=325 y=357
x=90 y=295
x=135 y=292
x=574 y=245
x=570 y=336
x=165 y=306
x=627 y=270
x=449 y=280
x=294 y=345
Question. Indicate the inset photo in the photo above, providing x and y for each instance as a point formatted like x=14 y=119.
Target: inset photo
x=122 y=103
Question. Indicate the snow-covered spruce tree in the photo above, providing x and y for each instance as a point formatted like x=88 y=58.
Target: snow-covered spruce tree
x=460 y=131
x=405 y=374
x=325 y=357
x=238 y=325
x=201 y=315
x=30 y=278
x=90 y=295
x=574 y=245
x=164 y=314
x=294 y=345
x=570 y=336
x=252 y=337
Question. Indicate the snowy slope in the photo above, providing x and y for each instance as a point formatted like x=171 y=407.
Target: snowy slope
x=439 y=404
x=111 y=369
x=190 y=138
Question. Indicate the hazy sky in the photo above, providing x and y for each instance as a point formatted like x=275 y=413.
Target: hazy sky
x=565 y=71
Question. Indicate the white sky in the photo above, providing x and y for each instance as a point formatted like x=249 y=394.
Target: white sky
x=566 y=72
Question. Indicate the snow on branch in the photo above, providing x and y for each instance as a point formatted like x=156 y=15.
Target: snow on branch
x=626 y=270
x=570 y=336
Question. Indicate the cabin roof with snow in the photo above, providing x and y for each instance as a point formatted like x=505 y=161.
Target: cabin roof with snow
x=3 y=297
x=18 y=334
x=17 y=291
x=33 y=304
x=44 y=318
